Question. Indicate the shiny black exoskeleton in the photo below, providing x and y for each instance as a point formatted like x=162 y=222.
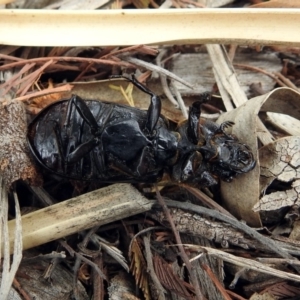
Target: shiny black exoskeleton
x=92 y=140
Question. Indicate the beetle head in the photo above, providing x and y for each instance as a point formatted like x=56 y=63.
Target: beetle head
x=227 y=156
x=207 y=152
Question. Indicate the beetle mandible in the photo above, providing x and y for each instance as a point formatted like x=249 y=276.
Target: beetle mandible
x=95 y=140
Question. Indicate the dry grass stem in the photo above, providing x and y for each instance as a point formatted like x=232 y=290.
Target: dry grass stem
x=245 y=262
x=9 y=240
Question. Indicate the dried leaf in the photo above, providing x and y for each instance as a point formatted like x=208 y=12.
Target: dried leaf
x=121 y=288
x=84 y=273
x=280 y=160
x=285 y=123
x=243 y=193
x=138 y=268
x=103 y=91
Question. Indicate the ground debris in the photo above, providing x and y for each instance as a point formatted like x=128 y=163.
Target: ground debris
x=199 y=226
x=15 y=161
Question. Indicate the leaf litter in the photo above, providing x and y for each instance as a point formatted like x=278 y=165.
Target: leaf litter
x=267 y=123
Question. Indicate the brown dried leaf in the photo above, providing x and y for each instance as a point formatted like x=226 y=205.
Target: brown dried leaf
x=280 y=160
x=243 y=193
x=170 y=280
x=104 y=91
x=138 y=267
x=38 y=103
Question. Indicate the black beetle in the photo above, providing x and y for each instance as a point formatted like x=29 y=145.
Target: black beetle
x=93 y=140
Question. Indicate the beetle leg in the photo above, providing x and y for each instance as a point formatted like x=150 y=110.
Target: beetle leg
x=80 y=151
x=84 y=112
x=118 y=165
x=141 y=165
x=144 y=162
x=75 y=155
x=98 y=158
x=87 y=116
x=224 y=125
x=193 y=122
x=154 y=109
x=194 y=116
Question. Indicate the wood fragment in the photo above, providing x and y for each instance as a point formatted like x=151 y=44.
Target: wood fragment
x=248 y=263
x=15 y=159
x=100 y=207
x=102 y=27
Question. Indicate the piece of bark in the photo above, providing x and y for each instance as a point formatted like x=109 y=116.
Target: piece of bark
x=196 y=225
x=15 y=160
x=30 y=276
x=216 y=265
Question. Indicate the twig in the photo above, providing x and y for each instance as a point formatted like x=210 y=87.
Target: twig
x=286 y=81
x=41 y=60
x=9 y=270
x=179 y=99
x=275 y=260
x=32 y=77
x=19 y=288
x=256 y=69
x=98 y=284
x=79 y=256
x=216 y=281
x=155 y=68
x=59 y=89
x=234 y=295
x=9 y=57
x=236 y=278
x=52 y=255
x=163 y=78
x=246 y=263
x=143 y=232
x=207 y=200
x=142 y=48
x=266 y=242
x=183 y=255
x=16 y=79
x=225 y=74
x=161 y=291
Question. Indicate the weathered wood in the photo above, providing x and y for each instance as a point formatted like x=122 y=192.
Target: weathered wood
x=161 y=26
x=99 y=207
